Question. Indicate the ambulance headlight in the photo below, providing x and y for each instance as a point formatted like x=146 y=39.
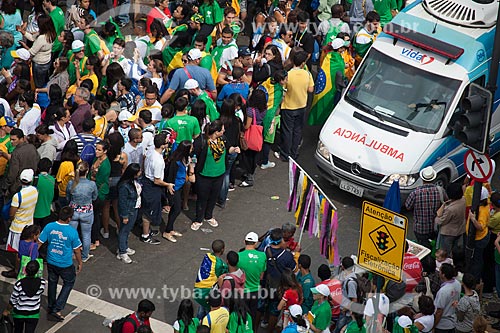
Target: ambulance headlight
x=323 y=151
x=404 y=180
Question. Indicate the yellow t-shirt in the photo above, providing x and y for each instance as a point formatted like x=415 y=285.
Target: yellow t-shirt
x=65 y=173
x=25 y=211
x=218 y=320
x=100 y=127
x=482 y=219
x=296 y=94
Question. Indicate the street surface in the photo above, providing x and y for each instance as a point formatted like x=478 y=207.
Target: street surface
x=165 y=273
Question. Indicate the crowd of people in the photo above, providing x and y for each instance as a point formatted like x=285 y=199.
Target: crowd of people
x=102 y=132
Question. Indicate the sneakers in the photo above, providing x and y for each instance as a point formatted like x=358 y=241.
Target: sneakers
x=268 y=165
x=124 y=257
x=150 y=240
x=231 y=187
x=245 y=184
x=196 y=225
x=277 y=155
x=213 y=222
x=130 y=252
x=87 y=259
x=154 y=233
x=104 y=235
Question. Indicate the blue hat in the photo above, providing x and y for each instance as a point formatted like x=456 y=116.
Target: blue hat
x=7 y=121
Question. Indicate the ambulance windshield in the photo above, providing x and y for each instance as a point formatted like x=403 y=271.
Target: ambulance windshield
x=401 y=94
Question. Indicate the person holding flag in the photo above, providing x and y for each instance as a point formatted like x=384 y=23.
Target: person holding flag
x=329 y=84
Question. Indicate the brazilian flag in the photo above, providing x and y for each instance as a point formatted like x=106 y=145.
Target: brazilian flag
x=324 y=88
x=208 y=62
x=274 y=96
x=172 y=58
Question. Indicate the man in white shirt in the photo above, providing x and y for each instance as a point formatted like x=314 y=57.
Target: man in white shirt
x=152 y=189
x=133 y=147
x=31 y=113
x=226 y=49
x=148 y=131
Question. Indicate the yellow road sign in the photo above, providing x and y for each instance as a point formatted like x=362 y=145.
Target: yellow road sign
x=382 y=241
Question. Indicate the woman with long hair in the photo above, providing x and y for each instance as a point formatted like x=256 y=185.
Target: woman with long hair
x=66 y=38
x=291 y=293
x=99 y=172
x=233 y=127
x=210 y=169
x=80 y=193
x=186 y=321
x=56 y=101
x=41 y=51
x=59 y=77
x=66 y=171
x=10 y=19
x=63 y=129
x=118 y=162
x=199 y=111
x=159 y=33
x=240 y=319
x=129 y=202
x=114 y=73
x=99 y=110
x=178 y=169
x=30 y=28
x=256 y=111
x=266 y=66
x=155 y=70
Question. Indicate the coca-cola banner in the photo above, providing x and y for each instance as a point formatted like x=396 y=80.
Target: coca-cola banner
x=314 y=212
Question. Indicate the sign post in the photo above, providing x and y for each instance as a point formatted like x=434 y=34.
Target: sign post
x=382 y=241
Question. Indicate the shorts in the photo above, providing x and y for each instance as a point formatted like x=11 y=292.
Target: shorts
x=13 y=241
x=151 y=202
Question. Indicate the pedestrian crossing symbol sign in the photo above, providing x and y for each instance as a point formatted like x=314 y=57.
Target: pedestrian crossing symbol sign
x=382 y=241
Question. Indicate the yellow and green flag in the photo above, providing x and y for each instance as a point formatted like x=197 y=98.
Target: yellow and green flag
x=274 y=96
x=172 y=58
x=324 y=88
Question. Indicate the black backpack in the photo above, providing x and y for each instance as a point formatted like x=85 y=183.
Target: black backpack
x=363 y=287
x=117 y=325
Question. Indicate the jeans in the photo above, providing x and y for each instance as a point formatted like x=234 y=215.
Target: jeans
x=207 y=189
x=41 y=74
x=124 y=16
x=477 y=260
x=266 y=148
x=292 y=123
x=497 y=278
x=175 y=209
x=85 y=220
x=68 y=275
x=63 y=202
x=344 y=319
x=225 y=183
x=125 y=230
x=449 y=242
x=26 y=325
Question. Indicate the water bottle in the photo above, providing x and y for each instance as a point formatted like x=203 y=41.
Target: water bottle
x=194 y=160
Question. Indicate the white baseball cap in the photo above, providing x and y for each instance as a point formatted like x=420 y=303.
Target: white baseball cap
x=321 y=289
x=295 y=310
x=77 y=46
x=191 y=84
x=126 y=115
x=194 y=54
x=21 y=54
x=337 y=43
x=252 y=237
x=27 y=175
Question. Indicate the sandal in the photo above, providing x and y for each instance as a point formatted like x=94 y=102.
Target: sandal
x=169 y=237
x=176 y=234
x=213 y=222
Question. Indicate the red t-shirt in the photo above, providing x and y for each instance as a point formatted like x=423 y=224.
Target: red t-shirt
x=412 y=267
x=128 y=327
x=291 y=296
x=156 y=14
x=335 y=287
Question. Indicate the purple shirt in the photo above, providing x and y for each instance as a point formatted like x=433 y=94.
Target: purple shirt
x=80 y=114
x=259 y=116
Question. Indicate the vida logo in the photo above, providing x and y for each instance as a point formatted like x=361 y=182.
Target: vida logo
x=421 y=58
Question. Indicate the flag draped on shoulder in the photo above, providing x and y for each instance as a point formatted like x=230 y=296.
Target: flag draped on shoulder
x=324 y=88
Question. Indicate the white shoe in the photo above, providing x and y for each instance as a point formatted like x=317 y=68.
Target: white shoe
x=88 y=258
x=196 y=225
x=104 y=235
x=125 y=258
x=268 y=165
x=130 y=252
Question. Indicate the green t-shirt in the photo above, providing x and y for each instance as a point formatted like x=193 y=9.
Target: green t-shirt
x=213 y=14
x=212 y=112
x=8 y=145
x=322 y=315
x=193 y=325
x=57 y=16
x=494 y=223
x=497 y=257
x=214 y=168
x=102 y=179
x=383 y=8
x=45 y=187
x=353 y=327
x=92 y=43
x=253 y=263
x=72 y=69
x=234 y=327
x=186 y=127
x=307 y=282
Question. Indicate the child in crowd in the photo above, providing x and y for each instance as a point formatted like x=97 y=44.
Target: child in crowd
x=468 y=307
x=442 y=258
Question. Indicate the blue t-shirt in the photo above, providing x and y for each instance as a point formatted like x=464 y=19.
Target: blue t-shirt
x=230 y=88
x=62 y=239
x=28 y=249
x=200 y=74
x=180 y=177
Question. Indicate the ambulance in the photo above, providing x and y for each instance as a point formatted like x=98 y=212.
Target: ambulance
x=393 y=118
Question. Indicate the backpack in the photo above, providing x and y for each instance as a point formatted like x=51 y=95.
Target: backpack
x=333 y=31
x=88 y=150
x=273 y=282
x=394 y=290
x=117 y=325
x=363 y=287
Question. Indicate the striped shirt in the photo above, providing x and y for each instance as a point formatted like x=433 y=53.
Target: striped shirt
x=89 y=138
x=25 y=211
x=27 y=305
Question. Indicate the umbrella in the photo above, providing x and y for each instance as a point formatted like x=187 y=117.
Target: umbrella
x=393 y=198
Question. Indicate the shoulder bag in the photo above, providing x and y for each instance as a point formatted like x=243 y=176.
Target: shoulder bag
x=253 y=135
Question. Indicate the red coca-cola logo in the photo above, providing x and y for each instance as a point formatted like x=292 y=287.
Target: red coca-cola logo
x=412 y=265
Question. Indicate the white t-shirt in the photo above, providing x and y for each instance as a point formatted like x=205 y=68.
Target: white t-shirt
x=154 y=166
x=383 y=305
x=31 y=120
x=155 y=109
x=427 y=322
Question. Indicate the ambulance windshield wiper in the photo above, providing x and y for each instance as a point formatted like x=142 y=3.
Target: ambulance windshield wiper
x=407 y=123
x=429 y=106
x=369 y=109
